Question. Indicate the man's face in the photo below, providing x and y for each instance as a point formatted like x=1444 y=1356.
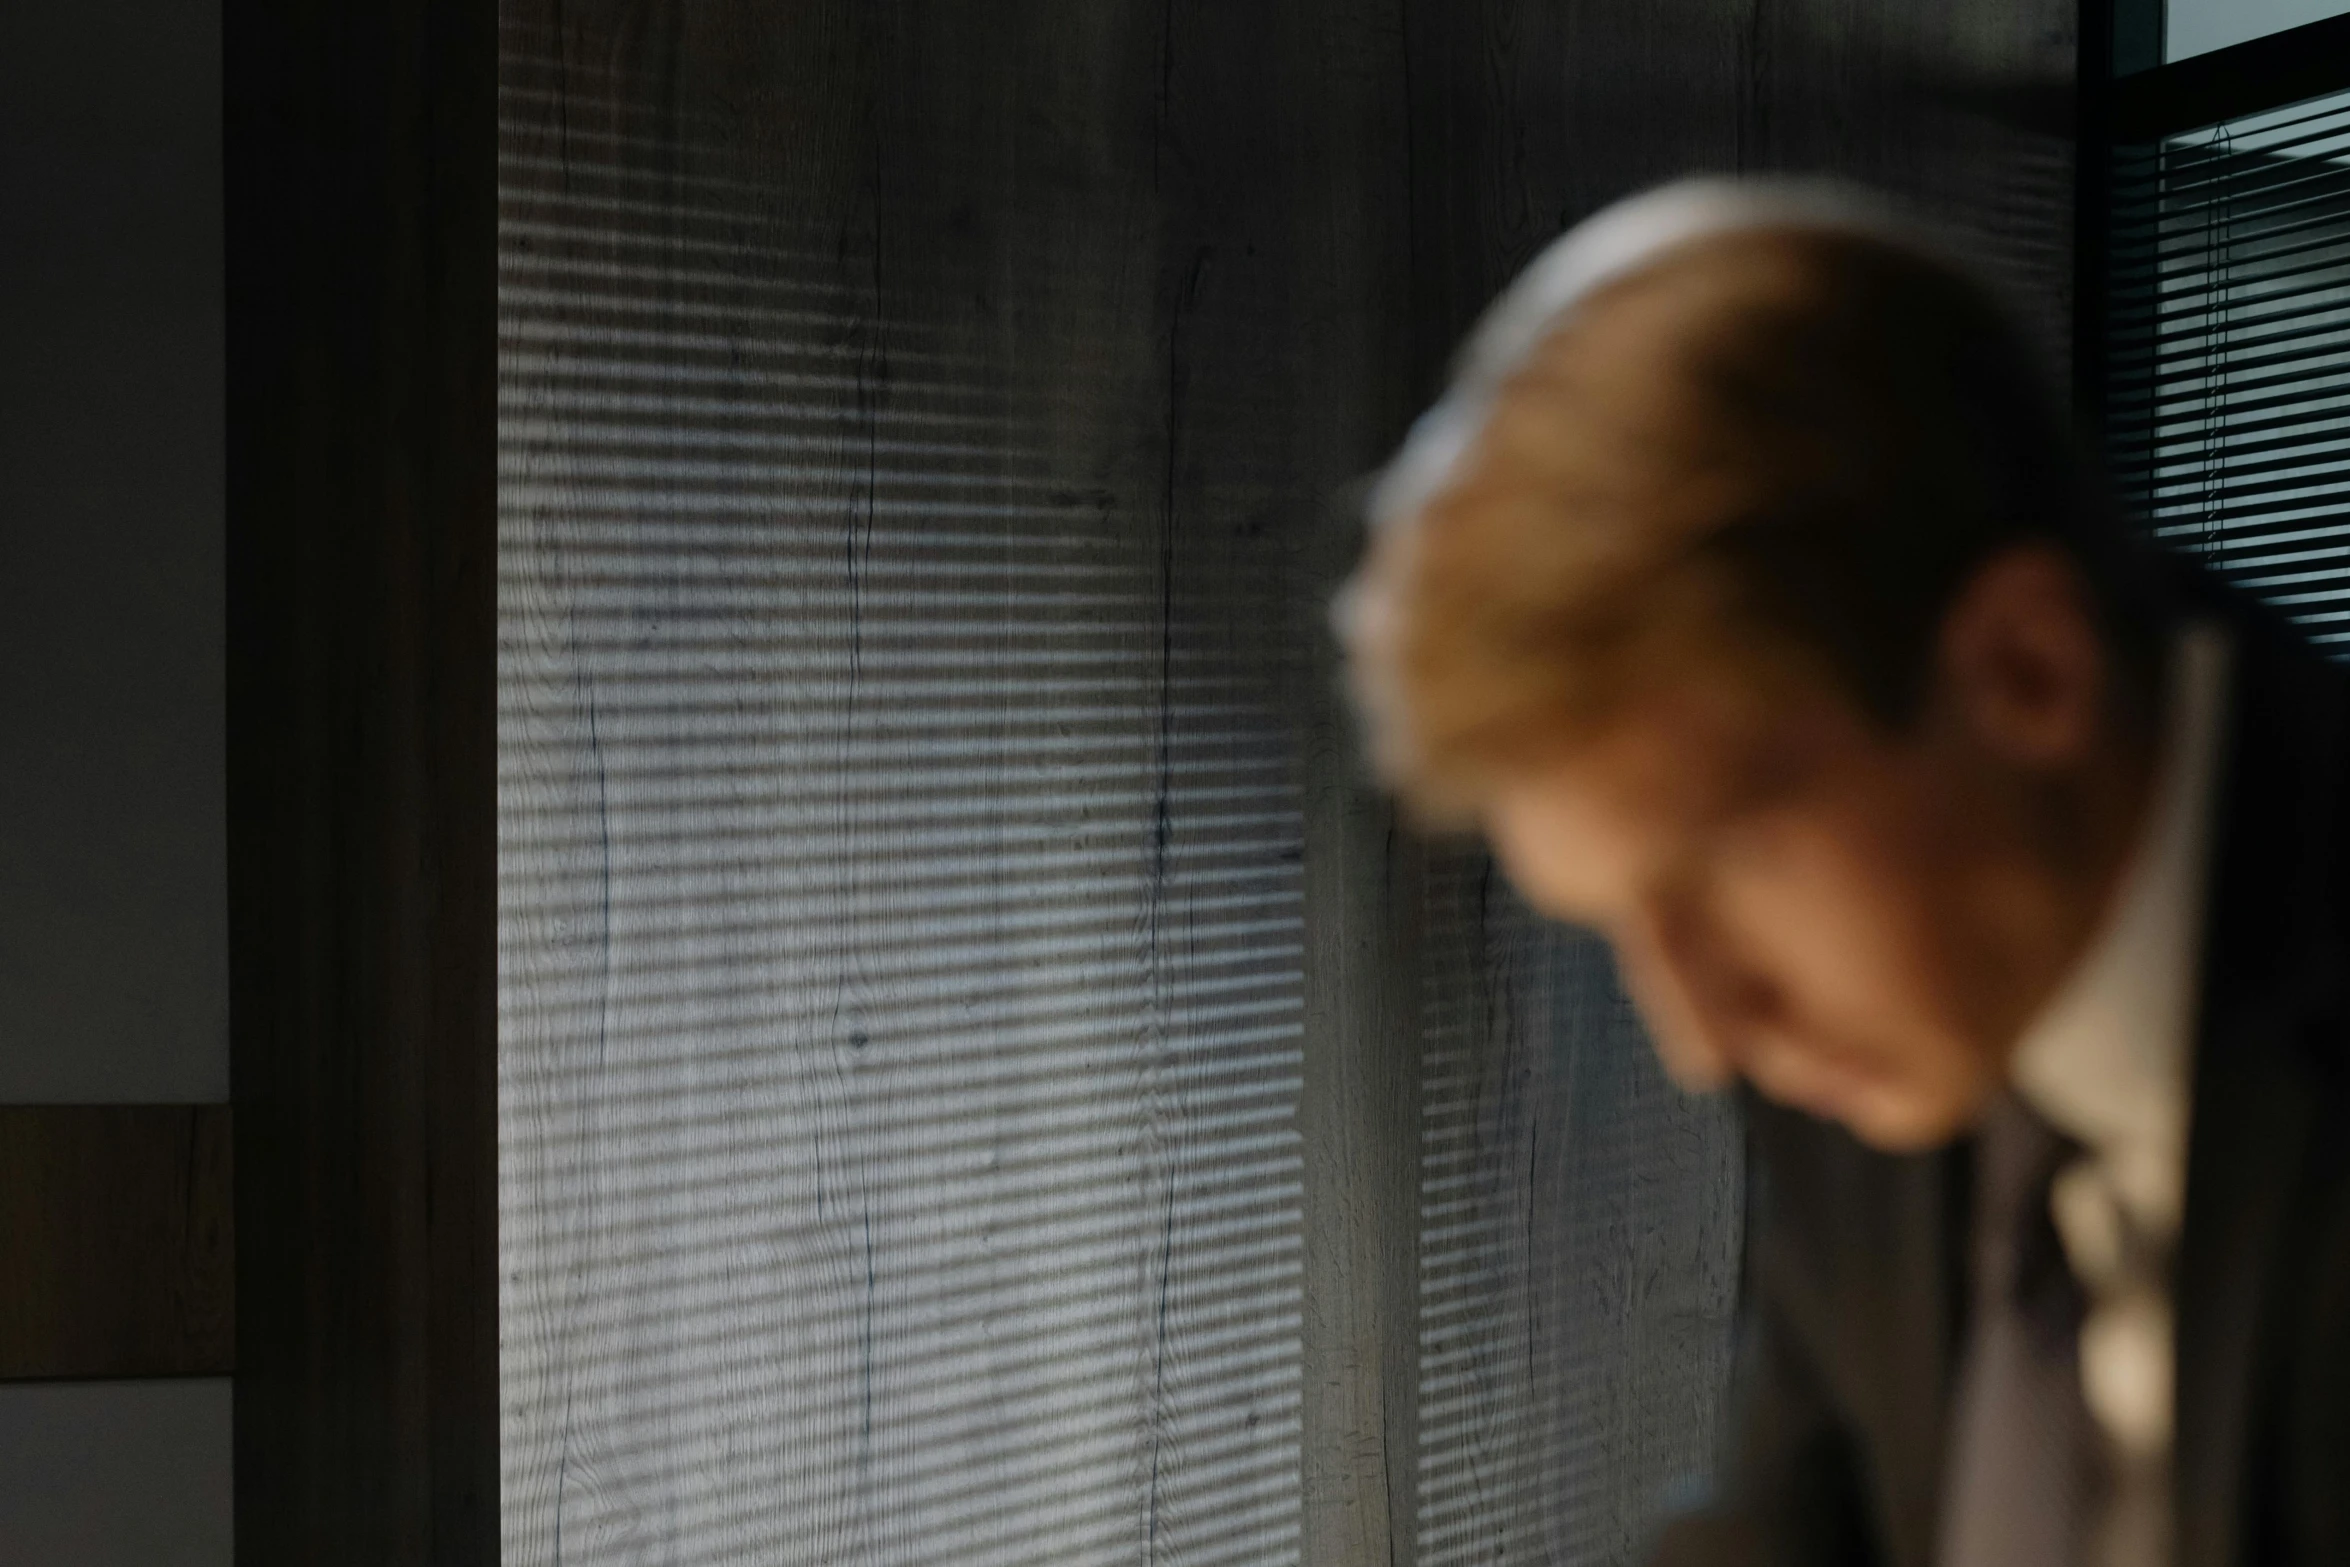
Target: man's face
x=1858 y=921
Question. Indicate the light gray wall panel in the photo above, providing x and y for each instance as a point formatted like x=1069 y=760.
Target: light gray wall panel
x=113 y=948
x=113 y=951
x=115 y=1474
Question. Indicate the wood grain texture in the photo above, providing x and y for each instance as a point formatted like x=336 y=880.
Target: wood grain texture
x=1581 y=1246
x=982 y=1076
x=917 y=427
x=117 y=1236
x=361 y=217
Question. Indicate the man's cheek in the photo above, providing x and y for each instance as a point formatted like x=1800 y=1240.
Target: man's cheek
x=1841 y=950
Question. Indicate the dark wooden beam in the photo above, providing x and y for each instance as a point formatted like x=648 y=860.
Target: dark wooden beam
x=116 y=1239
x=2247 y=78
x=2101 y=21
x=361 y=190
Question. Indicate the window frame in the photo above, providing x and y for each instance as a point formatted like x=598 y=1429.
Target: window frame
x=2126 y=94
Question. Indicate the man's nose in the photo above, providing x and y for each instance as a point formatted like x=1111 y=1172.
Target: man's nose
x=1689 y=1003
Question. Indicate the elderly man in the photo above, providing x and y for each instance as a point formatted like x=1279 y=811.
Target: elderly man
x=1748 y=593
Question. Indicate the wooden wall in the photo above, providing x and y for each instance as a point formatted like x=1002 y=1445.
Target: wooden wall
x=981 y=1077
x=912 y=417
x=116 y=1224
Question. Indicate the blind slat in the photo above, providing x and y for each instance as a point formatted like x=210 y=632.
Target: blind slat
x=2228 y=417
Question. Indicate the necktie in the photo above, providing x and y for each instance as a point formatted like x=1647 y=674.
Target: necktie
x=2126 y=1352
x=2021 y=1485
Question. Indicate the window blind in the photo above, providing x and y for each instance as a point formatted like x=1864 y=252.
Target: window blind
x=2228 y=410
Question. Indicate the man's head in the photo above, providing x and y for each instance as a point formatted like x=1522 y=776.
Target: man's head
x=1748 y=595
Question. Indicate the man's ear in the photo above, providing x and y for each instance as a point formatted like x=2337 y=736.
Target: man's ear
x=2020 y=663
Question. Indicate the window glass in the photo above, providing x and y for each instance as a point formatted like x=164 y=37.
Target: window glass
x=2200 y=26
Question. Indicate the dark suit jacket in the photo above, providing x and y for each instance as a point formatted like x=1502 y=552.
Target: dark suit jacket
x=1856 y=1293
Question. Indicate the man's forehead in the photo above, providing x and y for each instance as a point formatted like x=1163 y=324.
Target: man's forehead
x=1661 y=762
x=1670 y=735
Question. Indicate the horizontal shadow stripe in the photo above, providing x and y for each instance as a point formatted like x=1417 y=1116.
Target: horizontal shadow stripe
x=902 y=898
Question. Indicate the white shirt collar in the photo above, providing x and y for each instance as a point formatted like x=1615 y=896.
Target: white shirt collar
x=2107 y=1060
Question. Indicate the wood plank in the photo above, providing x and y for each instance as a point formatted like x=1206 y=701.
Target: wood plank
x=2269 y=72
x=958 y=1093
x=117 y=1237
x=360 y=148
